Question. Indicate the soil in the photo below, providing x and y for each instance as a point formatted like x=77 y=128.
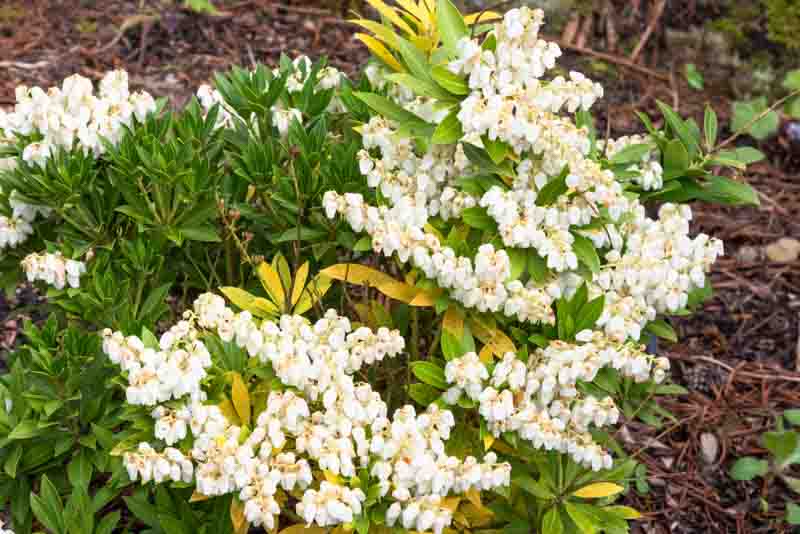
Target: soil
x=739 y=357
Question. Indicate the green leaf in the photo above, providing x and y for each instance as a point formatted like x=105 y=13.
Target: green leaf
x=419 y=86
x=676 y=160
x=25 y=429
x=793 y=416
x=154 y=299
x=728 y=191
x=449 y=131
x=392 y=111
x=748 y=155
x=784 y=445
x=662 y=329
x=748 y=468
x=792 y=513
x=12 y=460
x=80 y=470
x=710 y=127
x=47 y=507
x=551 y=522
x=792 y=80
x=694 y=77
x=553 y=189
x=423 y=394
x=744 y=112
x=680 y=128
x=589 y=314
x=583 y=517
x=415 y=60
x=108 y=523
x=497 y=149
x=429 y=373
x=631 y=154
x=586 y=253
x=535 y=488
x=477 y=217
x=453 y=83
x=206 y=234
x=451 y=25
x=537 y=267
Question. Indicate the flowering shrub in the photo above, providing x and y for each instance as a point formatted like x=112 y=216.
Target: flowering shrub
x=507 y=275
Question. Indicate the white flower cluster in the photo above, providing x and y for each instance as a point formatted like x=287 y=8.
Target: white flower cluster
x=156 y=376
x=484 y=286
x=648 y=266
x=53 y=269
x=540 y=401
x=326 y=421
x=147 y=464
x=16 y=229
x=73 y=114
x=4 y=530
x=282 y=117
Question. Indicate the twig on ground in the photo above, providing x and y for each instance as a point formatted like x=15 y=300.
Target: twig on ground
x=658 y=9
x=617 y=60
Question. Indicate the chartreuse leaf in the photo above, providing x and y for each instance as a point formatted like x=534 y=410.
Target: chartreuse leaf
x=497 y=341
x=585 y=251
x=380 y=31
x=448 y=131
x=240 y=397
x=710 y=127
x=451 y=82
x=551 y=522
x=453 y=321
x=598 y=490
x=451 y=25
x=259 y=307
x=313 y=292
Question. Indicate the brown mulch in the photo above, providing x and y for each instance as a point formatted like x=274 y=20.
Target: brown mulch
x=739 y=356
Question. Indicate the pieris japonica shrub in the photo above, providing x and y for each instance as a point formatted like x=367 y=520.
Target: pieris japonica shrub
x=202 y=371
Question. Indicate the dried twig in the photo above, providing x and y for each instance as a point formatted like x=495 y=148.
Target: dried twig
x=623 y=62
x=651 y=26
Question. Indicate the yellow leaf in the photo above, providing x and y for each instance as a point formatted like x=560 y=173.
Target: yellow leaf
x=392 y=15
x=425 y=299
x=301 y=528
x=415 y=11
x=598 y=490
x=332 y=477
x=300 y=278
x=198 y=497
x=501 y=446
x=280 y=264
x=451 y=503
x=485 y=17
x=461 y=519
x=380 y=51
x=488 y=441
x=258 y=306
x=474 y=496
x=363 y=275
x=313 y=292
x=237 y=516
x=251 y=191
x=271 y=281
x=241 y=398
x=477 y=517
x=431 y=230
x=380 y=31
x=426 y=44
x=487 y=354
x=625 y=512
x=227 y=409
x=492 y=336
x=453 y=321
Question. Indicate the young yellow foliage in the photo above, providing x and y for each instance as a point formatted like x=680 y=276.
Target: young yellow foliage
x=392 y=15
x=241 y=398
x=380 y=51
x=380 y=31
x=453 y=321
x=598 y=490
x=280 y=264
x=313 y=292
x=363 y=275
x=238 y=519
x=272 y=283
x=259 y=307
x=299 y=284
x=491 y=336
x=198 y=497
x=229 y=411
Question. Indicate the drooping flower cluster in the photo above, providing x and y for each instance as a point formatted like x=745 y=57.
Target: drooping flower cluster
x=156 y=376
x=15 y=229
x=62 y=117
x=540 y=400
x=647 y=266
x=53 y=269
x=324 y=420
x=282 y=116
